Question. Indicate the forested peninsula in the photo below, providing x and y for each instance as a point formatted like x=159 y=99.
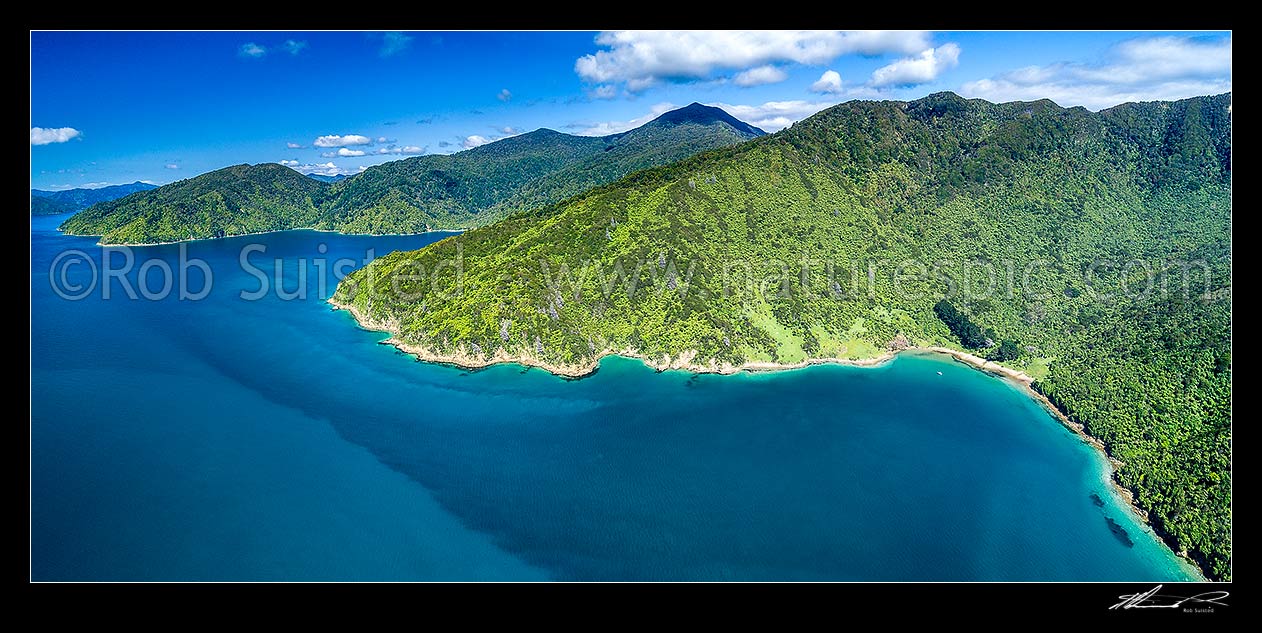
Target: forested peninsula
x=878 y=225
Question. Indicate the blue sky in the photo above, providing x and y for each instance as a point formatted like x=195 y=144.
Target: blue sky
x=115 y=107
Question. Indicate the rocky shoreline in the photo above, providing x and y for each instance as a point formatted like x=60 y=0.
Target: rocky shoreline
x=685 y=362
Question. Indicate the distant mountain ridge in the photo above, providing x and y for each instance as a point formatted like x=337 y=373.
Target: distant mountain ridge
x=67 y=200
x=699 y=114
x=330 y=179
x=467 y=189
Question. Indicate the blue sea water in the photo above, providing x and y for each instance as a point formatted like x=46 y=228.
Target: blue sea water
x=225 y=439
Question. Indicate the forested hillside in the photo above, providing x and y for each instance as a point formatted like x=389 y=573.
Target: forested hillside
x=461 y=190
x=1090 y=249
x=231 y=201
x=46 y=206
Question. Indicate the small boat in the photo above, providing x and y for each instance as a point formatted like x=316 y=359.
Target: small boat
x=939 y=373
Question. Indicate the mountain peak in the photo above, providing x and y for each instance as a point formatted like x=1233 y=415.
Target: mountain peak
x=704 y=115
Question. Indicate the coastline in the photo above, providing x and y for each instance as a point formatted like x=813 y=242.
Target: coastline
x=1019 y=379
x=226 y=237
x=1111 y=464
x=579 y=370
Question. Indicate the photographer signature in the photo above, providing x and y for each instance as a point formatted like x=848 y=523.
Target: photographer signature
x=1152 y=600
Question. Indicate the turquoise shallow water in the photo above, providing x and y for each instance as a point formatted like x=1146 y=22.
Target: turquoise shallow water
x=225 y=439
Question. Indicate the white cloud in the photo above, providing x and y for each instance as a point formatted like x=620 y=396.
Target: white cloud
x=338 y=140
x=394 y=43
x=321 y=169
x=1144 y=69
x=920 y=69
x=603 y=92
x=172 y=166
x=293 y=146
x=614 y=127
x=758 y=76
x=48 y=135
x=829 y=83
x=344 y=153
x=252 y=50
x=773 y=116
x=475 y=140
x=406 y=149
x=504 y=95
x=641 y=59
x=293 y=47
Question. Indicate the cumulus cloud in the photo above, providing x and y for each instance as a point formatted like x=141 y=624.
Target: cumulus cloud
x=344 y=153
x=920 y=69
x=614 y=127
x=393 y=43
x=338 y=140
x=640 y=59
x=773 y=116
x=1143 y=69
x=829 y=83
x=504 y=95
x=172 y=166
x=252 y=50
x=758 y=76
x=475 y=140
x=293 y=146
x=478 y=140
x=321 y=169
x=49 y=135
x=293 y=47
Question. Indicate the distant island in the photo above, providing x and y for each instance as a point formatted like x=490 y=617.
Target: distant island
x=778 y=252
x=71 y=200
x=432 y=192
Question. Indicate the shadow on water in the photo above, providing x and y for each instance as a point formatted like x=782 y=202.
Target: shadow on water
x=1119 y=532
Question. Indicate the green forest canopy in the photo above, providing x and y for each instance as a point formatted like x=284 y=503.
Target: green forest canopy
x=1065 y=199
